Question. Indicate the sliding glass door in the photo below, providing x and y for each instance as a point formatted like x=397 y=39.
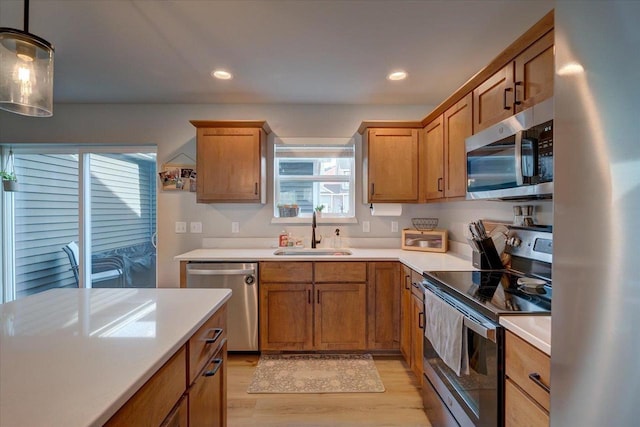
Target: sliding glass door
x=81 y=218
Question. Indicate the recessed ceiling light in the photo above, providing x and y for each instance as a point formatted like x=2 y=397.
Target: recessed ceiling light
x=222 y=74
x=571 y=68
x=397 y=75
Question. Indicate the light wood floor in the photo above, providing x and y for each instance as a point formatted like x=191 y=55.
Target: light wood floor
x=399 y=405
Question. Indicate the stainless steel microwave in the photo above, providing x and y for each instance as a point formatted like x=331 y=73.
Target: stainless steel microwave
x=513 y=159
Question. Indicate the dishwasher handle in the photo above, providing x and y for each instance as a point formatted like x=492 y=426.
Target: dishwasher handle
x=221 y=272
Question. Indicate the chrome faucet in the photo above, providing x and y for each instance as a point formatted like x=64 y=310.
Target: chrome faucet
x=314 y=242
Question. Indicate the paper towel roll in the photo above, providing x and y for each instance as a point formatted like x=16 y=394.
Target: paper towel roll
x=386 y=209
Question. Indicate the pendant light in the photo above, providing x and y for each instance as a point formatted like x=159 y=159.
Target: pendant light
x=26 y=71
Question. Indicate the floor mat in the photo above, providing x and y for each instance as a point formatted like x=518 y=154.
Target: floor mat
x=316 y=373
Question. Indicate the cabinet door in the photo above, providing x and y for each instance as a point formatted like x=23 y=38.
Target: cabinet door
x=493 y=99
x=392 y=165
x=230 y=165
x=384 y=305
x=151 y=405
x=405 y=314
x=417 y=345
x=520 y=410
x=286 y=316
x=458 y=125
x=434 y=153
x=179 y=416
x=534 y=70
x=340 y=316
x=207 y=395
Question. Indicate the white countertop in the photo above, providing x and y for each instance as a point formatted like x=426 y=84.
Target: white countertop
x=417 y=260
x=73 y=357
x=536 y=330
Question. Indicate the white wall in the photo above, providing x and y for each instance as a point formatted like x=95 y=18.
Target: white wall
x=168 y=127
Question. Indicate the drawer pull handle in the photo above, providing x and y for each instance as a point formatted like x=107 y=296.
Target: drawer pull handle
x=218 y=364
x=405 y=282
x=216 y=334
x=504 y=99
x=515 y=94
x=535 y=377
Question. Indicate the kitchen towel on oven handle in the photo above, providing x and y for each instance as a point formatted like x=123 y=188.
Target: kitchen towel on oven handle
x=444 y=328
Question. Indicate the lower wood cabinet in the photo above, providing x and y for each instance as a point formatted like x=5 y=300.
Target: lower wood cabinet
x=384 y=306
x=340 y=316
x=527 y=394
x=179 y=416
x=405 y=314
x=329 y=305
x=186 y=390
x=412 y=314
x=206 y=396
x=417 y=334
x=286 y=316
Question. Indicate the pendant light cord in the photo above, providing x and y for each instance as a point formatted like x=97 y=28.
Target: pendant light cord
x=26 y=16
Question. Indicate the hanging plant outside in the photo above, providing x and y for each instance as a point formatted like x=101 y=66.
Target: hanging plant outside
x=8 y=174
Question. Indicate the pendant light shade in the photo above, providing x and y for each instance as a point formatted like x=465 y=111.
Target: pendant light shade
x=26 y=71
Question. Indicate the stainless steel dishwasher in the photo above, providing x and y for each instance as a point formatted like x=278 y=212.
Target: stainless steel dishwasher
x=242 y=307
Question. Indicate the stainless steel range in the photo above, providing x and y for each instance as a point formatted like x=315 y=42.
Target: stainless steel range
x=475 y=396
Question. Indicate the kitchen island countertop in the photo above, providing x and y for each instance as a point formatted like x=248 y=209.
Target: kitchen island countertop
x=73 y=357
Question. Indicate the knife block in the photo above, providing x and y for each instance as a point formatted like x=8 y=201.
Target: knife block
x=485 y=256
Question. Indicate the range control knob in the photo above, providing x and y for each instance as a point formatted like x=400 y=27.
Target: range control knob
x=513 y=241
x=249 y=280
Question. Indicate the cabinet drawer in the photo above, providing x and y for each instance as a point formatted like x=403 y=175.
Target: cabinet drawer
x=153 y=402
x=416 y=289
x=522 y=361
x=520 y=410
x=204 y=343
x=286 y=272
x=338 y=272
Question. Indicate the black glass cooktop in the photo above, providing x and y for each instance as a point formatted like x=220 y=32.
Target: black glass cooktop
x=494 y=293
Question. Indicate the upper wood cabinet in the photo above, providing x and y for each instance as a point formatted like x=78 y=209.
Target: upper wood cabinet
x=391 y=165
x=534 y=71
x=231 y=161
x=434 y=159
x=458 y=125
x=523 y=82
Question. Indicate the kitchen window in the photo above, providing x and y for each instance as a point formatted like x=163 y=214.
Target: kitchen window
x=307 y=176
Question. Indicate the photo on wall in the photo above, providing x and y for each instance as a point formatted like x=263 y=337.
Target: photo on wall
x=178 y=177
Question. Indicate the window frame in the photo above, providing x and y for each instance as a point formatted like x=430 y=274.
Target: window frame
x=7 y=216
x=322 y=144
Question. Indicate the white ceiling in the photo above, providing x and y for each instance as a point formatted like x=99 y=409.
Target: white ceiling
x=295 y=51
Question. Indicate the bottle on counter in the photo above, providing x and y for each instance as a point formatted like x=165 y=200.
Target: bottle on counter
x=283 y=239
x=337 y=240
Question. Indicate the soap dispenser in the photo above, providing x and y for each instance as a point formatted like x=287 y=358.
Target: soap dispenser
x=337 y=240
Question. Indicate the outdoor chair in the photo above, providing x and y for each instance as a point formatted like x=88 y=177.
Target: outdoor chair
x=102 y=268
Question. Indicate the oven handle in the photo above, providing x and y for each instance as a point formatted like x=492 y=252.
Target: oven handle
x=518 y=154
x=484 y=328
x=483 y=331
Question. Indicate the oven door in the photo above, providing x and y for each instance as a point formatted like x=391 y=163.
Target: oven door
x=473 y=399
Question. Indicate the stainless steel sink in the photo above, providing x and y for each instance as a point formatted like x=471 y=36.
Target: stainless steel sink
x=312 y=252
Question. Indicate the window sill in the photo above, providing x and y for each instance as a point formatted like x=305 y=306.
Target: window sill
x=307 y=220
